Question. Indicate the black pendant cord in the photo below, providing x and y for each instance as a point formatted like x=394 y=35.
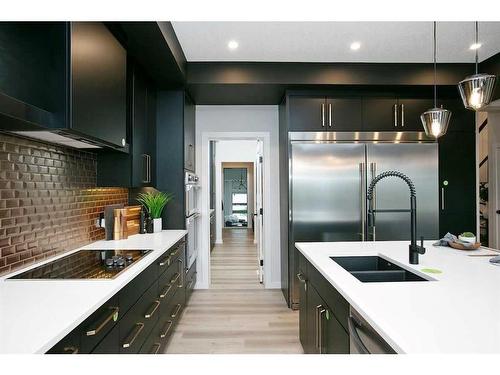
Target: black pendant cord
x=435 y=68
x=477 y=32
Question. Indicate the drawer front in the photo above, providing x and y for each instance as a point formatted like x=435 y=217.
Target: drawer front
x=139 y=320
x=153 y=344
x=110 y=344
x=170 y=257
x=190 y=281
x=97 y=325
x=337 y=304
x=135 y=289
x=70 y=344
x=169 y=281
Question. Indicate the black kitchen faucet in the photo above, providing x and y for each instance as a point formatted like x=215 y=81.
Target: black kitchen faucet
x=414 y=248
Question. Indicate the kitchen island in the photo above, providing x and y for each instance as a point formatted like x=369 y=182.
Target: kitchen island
x=36 y=314
x=455 y=311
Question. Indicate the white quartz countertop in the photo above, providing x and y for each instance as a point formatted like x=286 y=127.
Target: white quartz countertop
x=36 y=314
x=459 y=312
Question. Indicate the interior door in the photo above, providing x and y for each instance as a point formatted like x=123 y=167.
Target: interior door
x=259 y=213
x=420 y=163
x=326 y=192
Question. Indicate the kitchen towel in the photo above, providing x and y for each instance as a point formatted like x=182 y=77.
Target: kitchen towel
x=448 y=237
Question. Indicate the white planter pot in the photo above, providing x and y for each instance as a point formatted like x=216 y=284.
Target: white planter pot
x=156 y=225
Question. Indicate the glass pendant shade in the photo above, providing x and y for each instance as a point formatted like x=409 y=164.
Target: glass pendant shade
x=435 y=121
x=477 y=90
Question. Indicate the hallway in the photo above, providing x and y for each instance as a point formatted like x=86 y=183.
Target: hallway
x=236 y=315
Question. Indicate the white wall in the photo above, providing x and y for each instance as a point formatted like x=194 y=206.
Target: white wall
x=229 y=151
x=236 y=123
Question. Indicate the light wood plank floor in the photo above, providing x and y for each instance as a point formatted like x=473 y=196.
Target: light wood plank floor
x=236 y=315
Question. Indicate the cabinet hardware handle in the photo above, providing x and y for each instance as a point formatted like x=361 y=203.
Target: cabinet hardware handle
x=155 y=348
x=165 y=261
x=301 y=277
x=362 y=199
x=330 y=112
x=166 y=329
x=373 y=172
x=70 y=350
x=395 y=115
x=318 y=307
x=176 y=310
x=323 y=115
x=402 y=115
x=322 y=311
x=165 y=290
x=133 y=335
x=175 y=278
x=190 y=284
x=442 y=199
x=358 y=343
x=113 y=315
x=153 y=310
x=181 y=271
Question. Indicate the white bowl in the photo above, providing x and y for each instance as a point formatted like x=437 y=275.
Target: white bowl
x=467 y=239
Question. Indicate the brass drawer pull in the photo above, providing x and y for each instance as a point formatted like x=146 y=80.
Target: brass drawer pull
x=181 y=271
x=176 y=310
x=165 y=290
x=113 y=316
x=153 y=310
x=165 y=261
x=190 y=284
x=166 y=329
x=155 y=348
x=70 y=350
x=175 y=278
x=133 y=335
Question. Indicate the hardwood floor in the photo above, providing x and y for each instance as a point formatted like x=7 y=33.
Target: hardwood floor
x=236 y=315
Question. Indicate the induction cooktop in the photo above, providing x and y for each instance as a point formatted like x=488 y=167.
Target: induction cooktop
x=86 y=264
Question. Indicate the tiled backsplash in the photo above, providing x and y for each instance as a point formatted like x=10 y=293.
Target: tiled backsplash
x=48 y=200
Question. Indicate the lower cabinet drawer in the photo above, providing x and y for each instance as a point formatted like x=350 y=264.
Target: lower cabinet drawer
x=110 y=344
x=133 y=290
x=136 y=325
x=97 y=325
x=70 y=344
x=190 y=280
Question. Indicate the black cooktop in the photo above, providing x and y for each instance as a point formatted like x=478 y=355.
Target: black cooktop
x=86 y=264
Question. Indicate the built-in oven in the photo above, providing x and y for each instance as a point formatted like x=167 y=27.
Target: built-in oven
x=363 y=339
x=192 y=239
x=191 y=183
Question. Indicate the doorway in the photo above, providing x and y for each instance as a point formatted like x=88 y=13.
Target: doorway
x=238 y=195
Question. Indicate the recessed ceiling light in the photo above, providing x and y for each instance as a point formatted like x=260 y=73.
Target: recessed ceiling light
x=355 y=46
x=475 y=46
x=232 y=44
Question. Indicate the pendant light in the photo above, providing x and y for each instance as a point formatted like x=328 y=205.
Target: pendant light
x=477 y=90
x=435 y=120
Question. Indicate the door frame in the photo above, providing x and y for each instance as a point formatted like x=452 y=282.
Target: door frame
x=203 y=166
x=250 y=168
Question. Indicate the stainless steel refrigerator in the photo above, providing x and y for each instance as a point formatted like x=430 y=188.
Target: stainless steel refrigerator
x=329 y=175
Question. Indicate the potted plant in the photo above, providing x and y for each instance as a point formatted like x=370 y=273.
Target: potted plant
x=154 y=203
x=468 y=237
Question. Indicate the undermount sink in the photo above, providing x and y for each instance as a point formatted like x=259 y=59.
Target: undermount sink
x=373 y=269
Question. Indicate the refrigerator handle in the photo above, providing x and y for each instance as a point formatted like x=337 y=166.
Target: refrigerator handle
x=362 y=198
x=373 y=174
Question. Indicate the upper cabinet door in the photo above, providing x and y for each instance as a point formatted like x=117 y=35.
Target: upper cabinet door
x=344 y=114
x=308 y=113
x=98 y=83
x=410 y=111
x=189 y=135
x=381 y=114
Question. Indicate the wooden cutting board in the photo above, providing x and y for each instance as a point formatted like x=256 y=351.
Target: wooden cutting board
x=126 y=222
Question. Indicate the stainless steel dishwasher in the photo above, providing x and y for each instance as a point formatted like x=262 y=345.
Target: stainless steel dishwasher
x=363 y=339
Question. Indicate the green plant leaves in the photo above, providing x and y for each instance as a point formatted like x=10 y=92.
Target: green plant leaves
x=154 y=202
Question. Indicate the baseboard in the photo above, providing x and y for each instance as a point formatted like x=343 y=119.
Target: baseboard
x=275 y=285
